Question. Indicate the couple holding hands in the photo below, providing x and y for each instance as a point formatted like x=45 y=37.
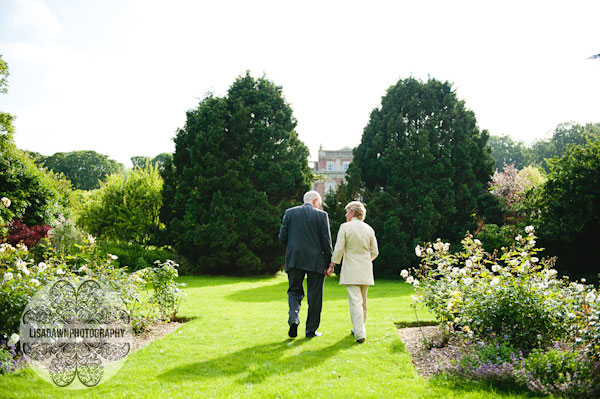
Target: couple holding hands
x=306 y=234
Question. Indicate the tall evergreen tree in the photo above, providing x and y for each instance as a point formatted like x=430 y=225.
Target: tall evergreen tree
x=421 y=167
x=238 y=163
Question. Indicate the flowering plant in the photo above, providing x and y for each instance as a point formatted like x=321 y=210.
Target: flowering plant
x=516 y=295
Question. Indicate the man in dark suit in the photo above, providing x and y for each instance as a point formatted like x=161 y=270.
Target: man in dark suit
x=305 y=232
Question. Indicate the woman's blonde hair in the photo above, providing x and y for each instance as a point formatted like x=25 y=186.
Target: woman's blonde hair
x=358 y=208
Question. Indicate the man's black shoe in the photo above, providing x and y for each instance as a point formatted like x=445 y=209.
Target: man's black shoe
x=293 y=333
x=315 y=334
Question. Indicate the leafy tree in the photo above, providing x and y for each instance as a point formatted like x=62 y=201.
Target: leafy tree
x=160 y=160
x=565 y=135
x=509 y=184
x=507 y=151
x=139 y=161
x=421 y=167
x=238 y=163
x=125 y=209
x=566 y=210
x=85 y=169
x=533 y=176
x=36 y=196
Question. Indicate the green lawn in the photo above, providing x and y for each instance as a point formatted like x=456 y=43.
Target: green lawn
x=236 y=345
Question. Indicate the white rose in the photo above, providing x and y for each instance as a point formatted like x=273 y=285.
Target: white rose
x=6 y=202
x=35 y=281
x=463 y=271
x=429 y=251
x=22 y=247
x=404 y=273
x=82 y=269
x=495 y=268
x=590 y=297
x=468 y=281
x=416 y=282
x=526 y=265
x=579 y=287
x=531 y=242
x=60 y=271
x=410 y=279
x=14 y=338
x=494 y=282
x=446 y=247
x=477 y=242
x=518 y=238
x=8 y=276
x=529 y=229
x=468 y=263
x=551 y=272
x=438 y=246
x=534 y=260
x=418 y=251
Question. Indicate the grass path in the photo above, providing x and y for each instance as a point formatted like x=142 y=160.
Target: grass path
x=236 y=346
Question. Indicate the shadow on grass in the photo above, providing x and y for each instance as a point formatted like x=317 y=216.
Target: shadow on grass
x=198 y=281
x=256 y=364
x=331 y=292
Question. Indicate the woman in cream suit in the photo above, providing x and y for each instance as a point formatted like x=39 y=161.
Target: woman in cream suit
x=356 y=242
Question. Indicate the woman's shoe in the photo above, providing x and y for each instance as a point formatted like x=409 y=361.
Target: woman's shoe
x=360 y=341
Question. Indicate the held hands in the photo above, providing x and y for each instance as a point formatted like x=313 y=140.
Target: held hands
x=329 y=270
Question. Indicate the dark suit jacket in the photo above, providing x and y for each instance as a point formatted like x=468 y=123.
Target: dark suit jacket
x=305 y=232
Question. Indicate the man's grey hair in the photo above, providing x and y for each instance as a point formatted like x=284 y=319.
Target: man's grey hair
x=310 y=196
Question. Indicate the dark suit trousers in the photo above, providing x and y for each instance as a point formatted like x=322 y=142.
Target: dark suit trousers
x=314 y=287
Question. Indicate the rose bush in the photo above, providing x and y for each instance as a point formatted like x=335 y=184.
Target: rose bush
x=518 y=309
x=517 y=294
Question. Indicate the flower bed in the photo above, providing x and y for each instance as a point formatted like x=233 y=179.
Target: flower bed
x=518 y=312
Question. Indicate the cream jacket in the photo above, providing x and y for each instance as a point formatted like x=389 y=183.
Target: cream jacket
x=356 y=242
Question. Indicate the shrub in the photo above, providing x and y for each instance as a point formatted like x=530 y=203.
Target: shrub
x=562 y=373
x=495 y=362
x=167 y=295
x=19 y=232
x=516 y=295
x=125 y=208
x=65 y=235
x=135 y=256
x=22 y=276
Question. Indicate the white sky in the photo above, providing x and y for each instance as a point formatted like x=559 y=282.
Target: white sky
x=118 y=76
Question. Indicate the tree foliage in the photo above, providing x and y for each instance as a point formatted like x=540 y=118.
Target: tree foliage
x=159 y=161
x=566 y=210
x=125 y=209
x=421 y=167
x=237 y=164
x=565 y=135
x=507 y=151
x=85 y=169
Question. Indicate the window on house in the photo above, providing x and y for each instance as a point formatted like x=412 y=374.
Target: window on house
x=346 y=164
x=330 y=165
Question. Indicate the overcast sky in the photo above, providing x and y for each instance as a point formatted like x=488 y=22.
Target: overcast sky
x=117 y=76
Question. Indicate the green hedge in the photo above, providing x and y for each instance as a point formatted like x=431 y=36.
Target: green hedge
x=135 y=256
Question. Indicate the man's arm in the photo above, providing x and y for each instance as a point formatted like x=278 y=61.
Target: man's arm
x=326 y=237
x=283 y=231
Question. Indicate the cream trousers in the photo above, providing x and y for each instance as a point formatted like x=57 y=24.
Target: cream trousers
x=357 y=301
